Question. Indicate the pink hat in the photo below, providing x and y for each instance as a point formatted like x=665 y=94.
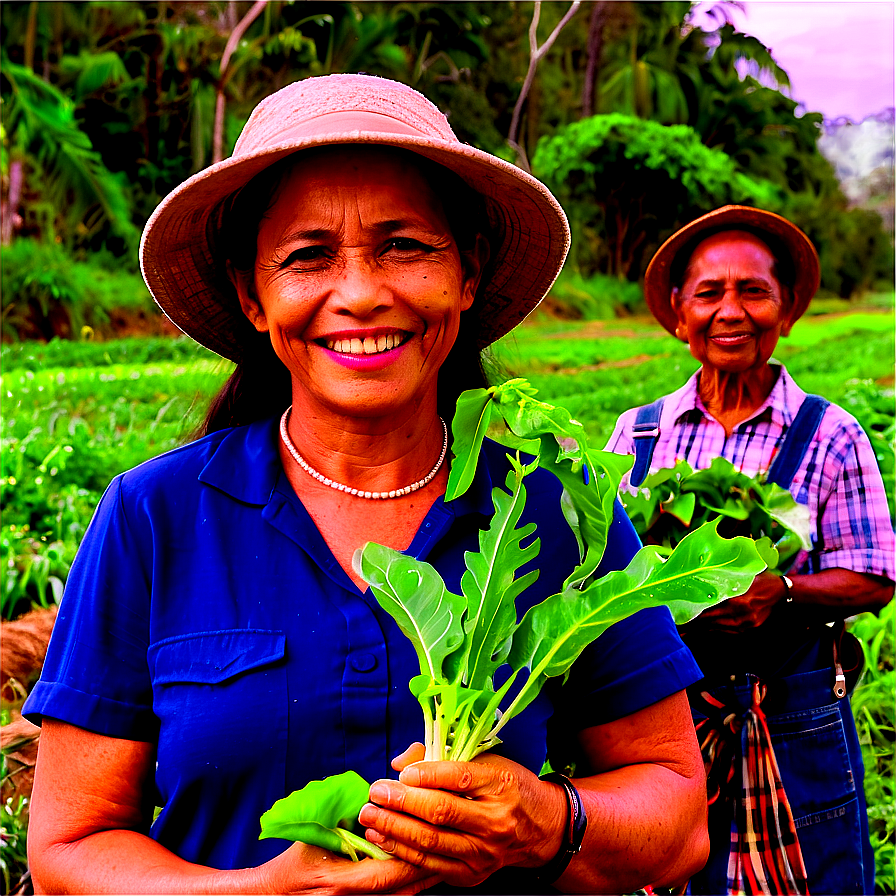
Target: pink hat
x=185 y=277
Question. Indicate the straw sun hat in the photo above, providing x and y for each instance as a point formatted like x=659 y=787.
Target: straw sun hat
x=658 y=279
x=186 y=277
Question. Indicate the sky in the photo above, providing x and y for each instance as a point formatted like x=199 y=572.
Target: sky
x=839 y=54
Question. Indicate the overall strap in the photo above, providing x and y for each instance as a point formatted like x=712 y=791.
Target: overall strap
x=645 y=431
x=801 y=431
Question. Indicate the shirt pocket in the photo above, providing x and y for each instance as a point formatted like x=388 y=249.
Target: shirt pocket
x=221 y=701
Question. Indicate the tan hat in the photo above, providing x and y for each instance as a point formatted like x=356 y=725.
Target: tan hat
x=658 y=282
x=185 y=276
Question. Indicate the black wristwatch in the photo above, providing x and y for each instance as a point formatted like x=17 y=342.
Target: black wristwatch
x=576 y=823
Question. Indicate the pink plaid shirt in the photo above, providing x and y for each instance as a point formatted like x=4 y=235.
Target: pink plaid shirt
x=838 y=478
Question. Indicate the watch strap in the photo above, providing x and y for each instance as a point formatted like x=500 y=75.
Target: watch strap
x=574 y=832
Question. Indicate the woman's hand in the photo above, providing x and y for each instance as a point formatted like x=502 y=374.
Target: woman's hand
x=308 y=869
x=748 y=610
x=465 y=820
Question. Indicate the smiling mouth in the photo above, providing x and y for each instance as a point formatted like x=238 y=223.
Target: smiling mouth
x=369 y=345
x=731 y=338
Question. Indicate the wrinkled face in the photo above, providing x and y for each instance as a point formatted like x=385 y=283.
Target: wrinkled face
x=359 y=282
x=731 y=308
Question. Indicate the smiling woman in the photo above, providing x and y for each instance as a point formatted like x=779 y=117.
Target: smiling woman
x=354 y=259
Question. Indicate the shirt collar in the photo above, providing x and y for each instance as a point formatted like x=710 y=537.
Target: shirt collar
x=246 y=465
x=781 y=405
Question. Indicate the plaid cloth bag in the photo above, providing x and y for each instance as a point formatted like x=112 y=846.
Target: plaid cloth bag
x=764 y=855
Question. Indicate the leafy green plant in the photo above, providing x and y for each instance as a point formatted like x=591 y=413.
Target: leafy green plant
x=875 y=714
x=13 y=842
x=462 y=640
x=674 y=501
x=48 y=292
x=325 y=814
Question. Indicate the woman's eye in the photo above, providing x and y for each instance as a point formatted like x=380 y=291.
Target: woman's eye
x=305 y=254
x=407 y=244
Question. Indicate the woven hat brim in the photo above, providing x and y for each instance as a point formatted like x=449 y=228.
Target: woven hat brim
x=184 y=277
x=657 y=280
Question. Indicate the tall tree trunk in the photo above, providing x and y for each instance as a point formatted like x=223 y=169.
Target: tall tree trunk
x=535 y=55
x=10 y=213
x=30 y=36
x=595 y=56
x=232 y=42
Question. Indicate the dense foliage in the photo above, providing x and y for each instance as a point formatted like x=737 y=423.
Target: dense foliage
x=627 y=182
x=107 y=106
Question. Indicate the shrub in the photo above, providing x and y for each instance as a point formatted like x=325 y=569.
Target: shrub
x=47 y=292
x=598 y=297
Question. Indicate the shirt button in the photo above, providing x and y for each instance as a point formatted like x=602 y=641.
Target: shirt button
x=363 y=662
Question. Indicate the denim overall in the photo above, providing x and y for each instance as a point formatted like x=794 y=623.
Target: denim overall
x=812 y=731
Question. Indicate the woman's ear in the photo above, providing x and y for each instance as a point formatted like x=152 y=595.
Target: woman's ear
x=787 y=326
x=681 y=331
x=473 y=262
x=245 y=290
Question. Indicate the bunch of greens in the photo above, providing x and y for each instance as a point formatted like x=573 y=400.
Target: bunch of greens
x=462 y=640
x=673 y=502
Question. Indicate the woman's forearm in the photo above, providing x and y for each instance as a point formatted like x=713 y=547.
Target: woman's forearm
x=837 y=593
x=646 y=825
x=120 y=861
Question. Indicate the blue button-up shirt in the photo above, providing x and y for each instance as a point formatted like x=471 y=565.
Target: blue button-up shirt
x=206 y=613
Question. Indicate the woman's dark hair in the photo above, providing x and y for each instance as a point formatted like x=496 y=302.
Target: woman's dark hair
x=260 y=386
x=782 y=269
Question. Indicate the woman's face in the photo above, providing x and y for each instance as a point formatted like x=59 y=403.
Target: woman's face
x=731 y=308
x=359 y=282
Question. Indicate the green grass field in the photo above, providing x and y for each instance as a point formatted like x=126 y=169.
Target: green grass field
x=76 y=414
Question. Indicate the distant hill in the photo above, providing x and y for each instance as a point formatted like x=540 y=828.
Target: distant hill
x=864 y=155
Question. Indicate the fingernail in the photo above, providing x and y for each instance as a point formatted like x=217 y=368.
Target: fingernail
x=379 y=791
x=410 y=776
x=367 y=815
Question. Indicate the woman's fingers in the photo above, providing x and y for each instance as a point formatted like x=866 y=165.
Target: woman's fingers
x=414 y=753
x=461 y=820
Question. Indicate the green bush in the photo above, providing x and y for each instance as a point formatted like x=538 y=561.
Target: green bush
x=598 y=297
x=47 y=292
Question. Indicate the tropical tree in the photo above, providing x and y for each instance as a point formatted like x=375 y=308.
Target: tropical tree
x=47 y=156
x=627 y=183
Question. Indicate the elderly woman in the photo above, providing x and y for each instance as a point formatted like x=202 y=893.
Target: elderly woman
x=730 y=284
x=215 y=649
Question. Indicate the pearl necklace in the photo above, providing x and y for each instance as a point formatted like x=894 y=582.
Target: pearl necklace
x=395 y=493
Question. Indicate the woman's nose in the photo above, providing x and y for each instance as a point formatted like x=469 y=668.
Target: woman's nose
x=361 y=288
x=731 y=306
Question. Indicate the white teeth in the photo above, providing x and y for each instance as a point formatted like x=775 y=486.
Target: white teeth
x=370 y=345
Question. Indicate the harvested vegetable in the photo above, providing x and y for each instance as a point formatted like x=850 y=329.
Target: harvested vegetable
x=674 y=501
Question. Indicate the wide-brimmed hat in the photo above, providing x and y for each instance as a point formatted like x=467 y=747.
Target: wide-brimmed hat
x=658 y=279
x=185 y=273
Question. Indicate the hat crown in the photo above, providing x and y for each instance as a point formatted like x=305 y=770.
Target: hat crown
x=342 y=102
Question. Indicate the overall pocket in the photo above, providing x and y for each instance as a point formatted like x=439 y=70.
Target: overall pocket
x=822 y=786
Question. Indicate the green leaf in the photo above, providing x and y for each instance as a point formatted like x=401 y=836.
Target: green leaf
x=323 y=814
x=563 y=449
x=702 y=570
x=491 y=587
x=468 y=428
x=681 y=507
x=781 y=507
x=413 y=593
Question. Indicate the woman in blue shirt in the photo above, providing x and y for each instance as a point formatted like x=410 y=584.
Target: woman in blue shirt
x=216 y=650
